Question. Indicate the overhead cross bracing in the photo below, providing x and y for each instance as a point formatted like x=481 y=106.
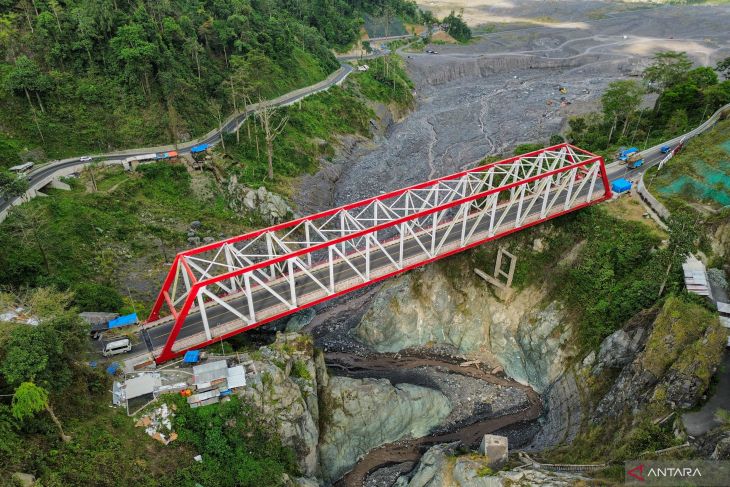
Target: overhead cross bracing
x=218 y=290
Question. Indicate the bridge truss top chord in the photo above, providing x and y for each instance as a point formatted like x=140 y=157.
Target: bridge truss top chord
x=217 y=290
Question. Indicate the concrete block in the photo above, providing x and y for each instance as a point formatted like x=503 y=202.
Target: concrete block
x=496 y=449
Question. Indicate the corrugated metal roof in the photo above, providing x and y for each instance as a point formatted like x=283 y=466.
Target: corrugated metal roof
x=212 y=371
x=236 y=377
x=139 y=386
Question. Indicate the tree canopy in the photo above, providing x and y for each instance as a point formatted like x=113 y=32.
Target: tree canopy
x=149 y=68
x=456 y=27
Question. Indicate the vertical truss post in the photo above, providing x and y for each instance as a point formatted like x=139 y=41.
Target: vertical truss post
x=308 y=242
x=249 y=296
x=292 y=282
x=367 y=257
x=204 y=316
x=270 y=251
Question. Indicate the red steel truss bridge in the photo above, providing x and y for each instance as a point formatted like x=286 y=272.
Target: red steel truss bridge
x=219 y=290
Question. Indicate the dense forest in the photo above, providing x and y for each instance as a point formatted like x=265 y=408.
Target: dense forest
x=157 y=71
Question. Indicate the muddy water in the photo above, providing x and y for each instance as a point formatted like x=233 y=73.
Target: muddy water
x=410 y=450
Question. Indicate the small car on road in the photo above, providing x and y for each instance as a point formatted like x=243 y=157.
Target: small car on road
x=85 y=158
x=116 y=347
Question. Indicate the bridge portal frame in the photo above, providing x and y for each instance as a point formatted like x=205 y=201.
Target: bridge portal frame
x=562 y=178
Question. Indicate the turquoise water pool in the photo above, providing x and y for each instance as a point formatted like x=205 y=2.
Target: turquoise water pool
x=714 y=183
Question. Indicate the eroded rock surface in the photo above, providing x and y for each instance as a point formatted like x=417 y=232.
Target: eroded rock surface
x=365 y=413
x=523 y=335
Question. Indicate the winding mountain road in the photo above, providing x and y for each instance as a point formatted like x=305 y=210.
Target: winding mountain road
x=43 y=175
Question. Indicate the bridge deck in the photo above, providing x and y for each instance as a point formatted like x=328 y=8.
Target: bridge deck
x=225 y=288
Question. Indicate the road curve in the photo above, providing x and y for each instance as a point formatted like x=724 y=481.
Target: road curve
x=43 y=174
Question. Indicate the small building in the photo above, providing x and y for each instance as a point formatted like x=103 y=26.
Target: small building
x=99 y=321
x=214 y=380
x=496 y=449
x=695 y=277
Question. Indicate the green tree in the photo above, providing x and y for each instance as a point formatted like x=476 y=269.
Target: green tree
x=135 y=54
x=456 y=27
x=48 y=352
x=683 y=236
x=678 y=122
x=620 y=101
x=723 y=67
x=30 y=399
x=668 y=69
x=27 y=77
x=11 y=185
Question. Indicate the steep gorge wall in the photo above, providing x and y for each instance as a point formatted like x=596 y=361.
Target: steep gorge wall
x=525 y=334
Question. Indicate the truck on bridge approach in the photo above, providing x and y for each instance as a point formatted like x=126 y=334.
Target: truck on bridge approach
x=634 y=160
x=623 y=154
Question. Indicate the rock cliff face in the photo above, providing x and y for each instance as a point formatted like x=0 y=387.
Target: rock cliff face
x=667 y=361
x=525 y=335
x=440 y=467
x=365 y=413
x=284 y=387
x=271 y=207
x=331 y=421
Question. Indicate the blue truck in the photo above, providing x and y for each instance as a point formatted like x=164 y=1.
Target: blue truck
x=199 y=148
x=624 y=154
x=634 y=161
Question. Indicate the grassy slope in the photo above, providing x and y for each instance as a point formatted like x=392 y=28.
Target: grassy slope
x=704 y=149
x=611 y=278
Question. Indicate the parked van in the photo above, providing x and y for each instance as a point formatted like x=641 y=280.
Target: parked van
x=116 y=347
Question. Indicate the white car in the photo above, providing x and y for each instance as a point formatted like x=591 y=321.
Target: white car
x=85 y=158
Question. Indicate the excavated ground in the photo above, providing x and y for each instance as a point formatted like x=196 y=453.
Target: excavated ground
x=473 y=101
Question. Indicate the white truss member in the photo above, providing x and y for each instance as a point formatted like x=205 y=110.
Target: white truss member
x=224 y=288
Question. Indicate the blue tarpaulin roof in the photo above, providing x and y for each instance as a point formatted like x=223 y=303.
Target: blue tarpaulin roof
x=124 y=320
x=621 y=185
x=191 y=356
x=199 y=148
x=112 y=369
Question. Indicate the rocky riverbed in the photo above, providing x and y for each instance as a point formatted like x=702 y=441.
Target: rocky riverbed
x=402 y=341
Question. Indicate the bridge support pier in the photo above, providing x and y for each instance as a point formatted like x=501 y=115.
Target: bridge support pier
x=499 y=271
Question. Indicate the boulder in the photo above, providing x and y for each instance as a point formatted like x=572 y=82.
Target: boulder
x=619 y=348
x=538 y=245
x=722 y=450
x=300 y=320
x=195 y=225
x=270 y=206
x=194 y=241
x=23 y=479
